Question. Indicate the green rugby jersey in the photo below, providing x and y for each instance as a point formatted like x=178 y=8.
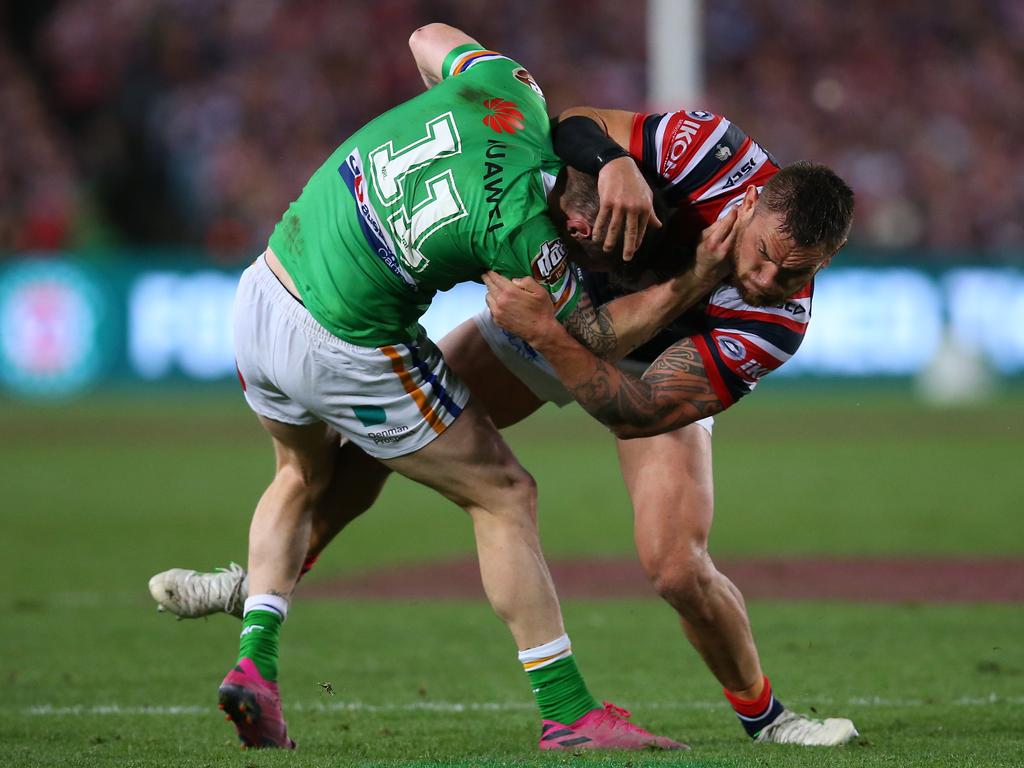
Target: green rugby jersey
x=432 y=193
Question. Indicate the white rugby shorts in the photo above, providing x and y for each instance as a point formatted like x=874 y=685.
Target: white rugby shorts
x=390 y=401
x=530 y=367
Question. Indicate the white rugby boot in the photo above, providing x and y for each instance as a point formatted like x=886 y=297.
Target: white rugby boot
x=791 y=728
x=192 y=594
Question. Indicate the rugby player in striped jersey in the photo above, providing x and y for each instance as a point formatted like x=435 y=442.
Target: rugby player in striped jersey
x=659 y=402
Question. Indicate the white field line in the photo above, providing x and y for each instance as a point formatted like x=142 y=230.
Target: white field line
x=454 y=707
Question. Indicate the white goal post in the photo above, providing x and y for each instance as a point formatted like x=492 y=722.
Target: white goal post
x=674 y=54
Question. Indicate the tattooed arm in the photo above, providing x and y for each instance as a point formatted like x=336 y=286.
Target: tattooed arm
x=615 y=329
x=593 y=328
x=611 y=331
x=674 y=390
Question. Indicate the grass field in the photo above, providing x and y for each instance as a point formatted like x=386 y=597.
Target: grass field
x=100 y=494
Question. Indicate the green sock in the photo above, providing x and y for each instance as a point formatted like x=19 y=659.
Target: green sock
x=258 y=641
x=560 y=691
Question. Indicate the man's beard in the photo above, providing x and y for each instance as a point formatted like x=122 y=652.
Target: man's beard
x=758 y=299
x=589 y=255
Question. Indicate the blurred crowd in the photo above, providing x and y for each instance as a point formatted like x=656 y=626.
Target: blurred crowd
x=912 y=102
x=195 y=122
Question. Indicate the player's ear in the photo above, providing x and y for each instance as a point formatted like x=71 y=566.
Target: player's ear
x=745 y=209
x=750 y=196
x=578 y=227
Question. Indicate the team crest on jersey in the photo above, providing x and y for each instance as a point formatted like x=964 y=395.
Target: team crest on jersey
x=550 y=264
x=700 y=114
x=526 y=78
x=731 y=348
x=504 y=117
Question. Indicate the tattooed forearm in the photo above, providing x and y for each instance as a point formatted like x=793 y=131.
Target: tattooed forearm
x=673 y=392
x=613 y=330
x=593 y=328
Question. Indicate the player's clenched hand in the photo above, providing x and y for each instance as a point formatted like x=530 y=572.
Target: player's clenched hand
x=714 y=259
x=627 y=207
x=520 y=306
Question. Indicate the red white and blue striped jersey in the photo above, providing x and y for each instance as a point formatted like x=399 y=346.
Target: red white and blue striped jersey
x=706 y=162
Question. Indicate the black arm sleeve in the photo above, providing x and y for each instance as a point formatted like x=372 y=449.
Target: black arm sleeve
x=581 y=143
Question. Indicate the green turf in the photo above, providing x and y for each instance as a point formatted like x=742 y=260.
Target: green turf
x=117 y=486
x=926 y=685
x=98 y=495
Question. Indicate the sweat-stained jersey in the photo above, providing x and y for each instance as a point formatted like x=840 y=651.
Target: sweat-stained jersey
x=432 y=193
x=706 y=163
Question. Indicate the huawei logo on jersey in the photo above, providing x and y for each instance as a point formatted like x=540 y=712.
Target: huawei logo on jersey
x=505 y=116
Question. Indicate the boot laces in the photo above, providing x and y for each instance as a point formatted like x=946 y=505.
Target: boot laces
x=235 y=574
x=620 y=713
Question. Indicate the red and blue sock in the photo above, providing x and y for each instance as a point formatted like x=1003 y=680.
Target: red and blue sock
x=756 y=714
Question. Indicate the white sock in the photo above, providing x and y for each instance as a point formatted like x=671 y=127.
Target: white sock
x=274 y=603
x=543 y=655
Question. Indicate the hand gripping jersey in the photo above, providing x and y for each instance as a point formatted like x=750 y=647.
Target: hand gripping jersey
x=432 y=193
x=706 y=163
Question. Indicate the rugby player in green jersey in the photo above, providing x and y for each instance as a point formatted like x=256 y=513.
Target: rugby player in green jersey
x=453 y=183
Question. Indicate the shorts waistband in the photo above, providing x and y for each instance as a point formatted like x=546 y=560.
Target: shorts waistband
x=294 y=308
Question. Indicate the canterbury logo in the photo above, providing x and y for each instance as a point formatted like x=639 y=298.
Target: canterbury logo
x=253 y=628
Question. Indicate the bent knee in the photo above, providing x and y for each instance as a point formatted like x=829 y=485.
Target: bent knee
x=681 y=576
x=308 y=483
x=521 y=489
x=511 y=495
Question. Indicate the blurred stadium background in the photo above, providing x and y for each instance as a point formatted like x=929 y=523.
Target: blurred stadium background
x=150 y=146
x=147 y=148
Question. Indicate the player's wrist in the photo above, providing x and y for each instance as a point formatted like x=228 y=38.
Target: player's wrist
x=688 y=286
x=547 y=336
x=701 y=277
x=616 y=164
x=708 y=275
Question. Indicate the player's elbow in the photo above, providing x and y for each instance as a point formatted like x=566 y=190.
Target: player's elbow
x=658 y=424
x=421 y=36
x=625 y=431
x=631 y=427
x=565 y=114
x=432 y=37
x=430 y=44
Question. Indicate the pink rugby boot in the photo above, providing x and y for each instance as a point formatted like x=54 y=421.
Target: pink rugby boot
x=254 y=705
x=607 y=728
